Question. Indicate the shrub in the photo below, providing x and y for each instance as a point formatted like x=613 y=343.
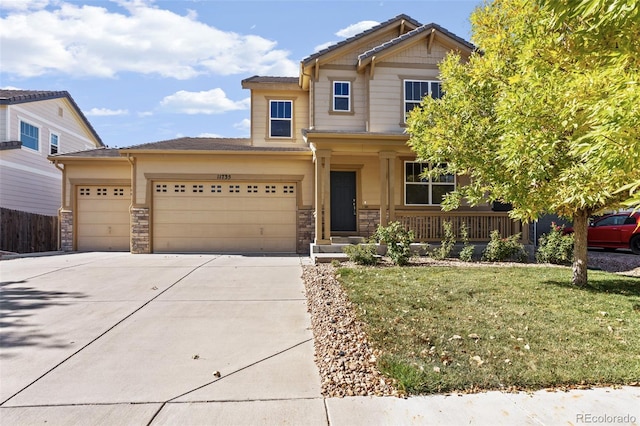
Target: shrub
x=503 y=249
x=555 y=247
x=447 y=243
x=466 y=254
x=398 y=241
x=362 y=254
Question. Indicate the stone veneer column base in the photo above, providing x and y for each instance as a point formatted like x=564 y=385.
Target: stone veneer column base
x=66 y=230
x=306 y=230
x=368 y=221
x=140 y=239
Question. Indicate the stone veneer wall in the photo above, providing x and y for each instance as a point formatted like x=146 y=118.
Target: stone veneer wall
x=140 y=239
x=66 y=230
x=368 y=221
x=306 y=230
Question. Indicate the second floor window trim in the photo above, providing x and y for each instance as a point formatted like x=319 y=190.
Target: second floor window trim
x=342 y=96
x=416 y=90
x=29 y=136
x=280 y=119
x=54 y=143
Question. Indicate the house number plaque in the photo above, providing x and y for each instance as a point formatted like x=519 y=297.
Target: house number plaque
x=224 y=177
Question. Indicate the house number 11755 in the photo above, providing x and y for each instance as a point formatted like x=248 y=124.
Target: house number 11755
x=224 y=177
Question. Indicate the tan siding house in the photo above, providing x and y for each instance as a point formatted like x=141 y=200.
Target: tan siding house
x=327 y=157
x=34 y=125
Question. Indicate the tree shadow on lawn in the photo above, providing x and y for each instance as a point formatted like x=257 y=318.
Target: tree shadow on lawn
x=18 y=302
x=628 y=286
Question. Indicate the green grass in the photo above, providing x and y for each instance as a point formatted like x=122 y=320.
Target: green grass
x=444 y=329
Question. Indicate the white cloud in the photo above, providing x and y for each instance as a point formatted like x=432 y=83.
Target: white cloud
x=213 y=101
x=105 y=112
x=347 y=32
x=23 y=4
x=356 y=28
x=209 y=135
x=88 y=40
x=145 y=114
x=243 y=125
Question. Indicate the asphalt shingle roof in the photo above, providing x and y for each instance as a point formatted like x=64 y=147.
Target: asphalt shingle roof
x=210 y=144
x=11 y=97
x=391 y=21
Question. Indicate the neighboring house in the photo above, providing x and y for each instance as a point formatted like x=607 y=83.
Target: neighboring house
x=327 y=157
x=34 y=125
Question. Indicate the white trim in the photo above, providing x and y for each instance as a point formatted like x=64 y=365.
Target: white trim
x=11 y=165
x=278 y=118
x=334 y=96
x=7 y=130
x=55 y=125
x=429 y=184
x=29 y=149
x=57 y=135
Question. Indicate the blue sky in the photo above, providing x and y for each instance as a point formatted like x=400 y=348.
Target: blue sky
x=144 y=71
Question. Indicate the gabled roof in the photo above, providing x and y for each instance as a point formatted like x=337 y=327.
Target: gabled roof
x=90 y=153
x=428 y=30
x=207 y=144
x=12 y=97
x=398 y=21
x=270 y=82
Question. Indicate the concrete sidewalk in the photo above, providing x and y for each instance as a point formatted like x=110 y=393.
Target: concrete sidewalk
x=115 y=338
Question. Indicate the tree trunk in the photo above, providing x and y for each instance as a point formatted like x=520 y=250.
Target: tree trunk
x=580 y=230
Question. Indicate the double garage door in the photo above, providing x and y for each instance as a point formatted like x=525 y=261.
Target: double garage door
x=224 y=217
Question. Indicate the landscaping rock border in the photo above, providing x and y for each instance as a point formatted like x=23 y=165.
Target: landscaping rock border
x=346 y=361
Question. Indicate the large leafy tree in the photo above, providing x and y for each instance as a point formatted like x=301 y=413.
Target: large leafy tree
x=539 y=117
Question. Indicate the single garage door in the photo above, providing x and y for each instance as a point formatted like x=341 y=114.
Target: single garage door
x=224 y=217
x=103 y=218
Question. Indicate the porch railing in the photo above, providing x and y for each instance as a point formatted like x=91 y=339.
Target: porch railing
x=428 y=226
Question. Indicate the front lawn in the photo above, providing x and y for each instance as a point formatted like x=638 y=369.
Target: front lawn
x=444 y=329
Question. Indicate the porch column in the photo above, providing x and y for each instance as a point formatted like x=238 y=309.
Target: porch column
x=323 y=196
x=387 y=187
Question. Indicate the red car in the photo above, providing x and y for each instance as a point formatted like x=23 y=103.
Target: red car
x=614 y=231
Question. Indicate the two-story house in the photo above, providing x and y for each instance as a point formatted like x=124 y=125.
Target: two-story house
x=327 y=157
x=33 y=125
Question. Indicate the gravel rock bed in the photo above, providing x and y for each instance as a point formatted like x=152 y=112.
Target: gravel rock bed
x=346 y=361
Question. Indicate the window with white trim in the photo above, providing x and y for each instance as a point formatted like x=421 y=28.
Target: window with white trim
x=342 y=96
x=416 y=90
x=422 y=191
x=29 y=136
x=280 y=119
x=54 y=144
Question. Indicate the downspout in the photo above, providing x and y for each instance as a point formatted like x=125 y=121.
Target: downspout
x=64 y=201
x=133 y=180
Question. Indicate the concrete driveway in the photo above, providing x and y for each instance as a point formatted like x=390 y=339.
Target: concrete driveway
x=115 y=338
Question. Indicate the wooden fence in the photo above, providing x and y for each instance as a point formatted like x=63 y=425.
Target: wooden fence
x=22 y=232
x=428 y=226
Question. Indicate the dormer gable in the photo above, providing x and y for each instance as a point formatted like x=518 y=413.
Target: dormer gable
x=428 y=34
x=391 y=29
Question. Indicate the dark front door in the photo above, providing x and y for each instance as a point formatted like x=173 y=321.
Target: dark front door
x=343 y=201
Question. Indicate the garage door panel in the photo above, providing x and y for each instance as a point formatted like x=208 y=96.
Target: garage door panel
x=233 y=218
x=103 y=218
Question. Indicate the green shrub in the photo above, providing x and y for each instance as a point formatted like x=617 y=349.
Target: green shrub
x=555 y=247
x=447 y=243
x=466 y=254
x=398 y=241
x=504 y=249
x=362 y=254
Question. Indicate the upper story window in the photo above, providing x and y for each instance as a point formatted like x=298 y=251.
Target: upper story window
x=420 y=191
x=54 y=144
x=416 y=90
x=29 y=136
x=280 y=119
x=342 y=96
